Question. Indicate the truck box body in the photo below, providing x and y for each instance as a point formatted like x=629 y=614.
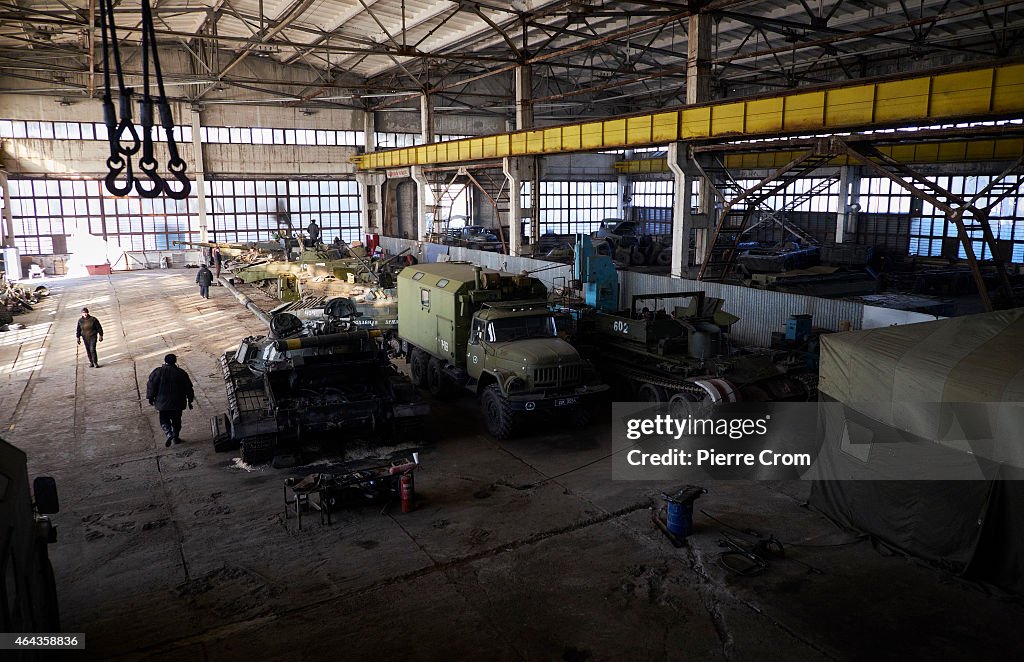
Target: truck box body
x=436 y=303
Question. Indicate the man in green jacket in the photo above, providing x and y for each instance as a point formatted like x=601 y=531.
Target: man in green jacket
x=90 y=330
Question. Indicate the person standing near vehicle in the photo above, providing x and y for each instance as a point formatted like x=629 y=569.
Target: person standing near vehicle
x=169 y=389
x=204 y=279
x=314 y=234
x=218 y=259
x=90 y=330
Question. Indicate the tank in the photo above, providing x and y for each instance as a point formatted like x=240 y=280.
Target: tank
x=491 y=333
x=312 y=381
x=323 y=271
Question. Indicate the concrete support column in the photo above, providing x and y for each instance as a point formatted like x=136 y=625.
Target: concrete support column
x=849 y=203
x=371 y=184
x=8 y=227
x=369 y=131
x=683 y=174
x=424 y=200
x=698 y=90
x=515 y=170
x=625 y=190
x=698 y=59
x=199 y=170
x=370 y=195
x=524 y=97
x=426 y=118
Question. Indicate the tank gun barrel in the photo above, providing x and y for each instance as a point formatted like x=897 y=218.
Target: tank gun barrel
x=329 y=340
x=395 y=256
x=247 y=302
x=364 y=263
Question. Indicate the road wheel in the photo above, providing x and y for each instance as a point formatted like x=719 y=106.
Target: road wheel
x=664 y=258
x=437 y=382
x=637 y=258
x=420 y=361
x=650 y=393
x=498 y=414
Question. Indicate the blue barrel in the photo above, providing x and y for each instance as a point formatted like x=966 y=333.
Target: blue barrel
x=680 y=518
x=680 y=510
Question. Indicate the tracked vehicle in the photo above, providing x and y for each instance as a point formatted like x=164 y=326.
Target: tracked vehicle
x=312 y=381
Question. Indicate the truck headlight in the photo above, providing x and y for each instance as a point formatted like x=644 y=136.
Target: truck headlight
x=515 y=385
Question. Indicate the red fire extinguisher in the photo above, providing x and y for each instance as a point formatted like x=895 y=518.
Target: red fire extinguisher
x=408 y=492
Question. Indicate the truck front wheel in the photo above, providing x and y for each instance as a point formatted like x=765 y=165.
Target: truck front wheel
x=498 y=414
x=418 y=367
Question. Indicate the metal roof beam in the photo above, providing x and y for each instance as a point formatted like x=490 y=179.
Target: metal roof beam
x=955 y=95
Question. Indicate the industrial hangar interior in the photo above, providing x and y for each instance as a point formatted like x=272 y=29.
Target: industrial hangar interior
x=374 y=327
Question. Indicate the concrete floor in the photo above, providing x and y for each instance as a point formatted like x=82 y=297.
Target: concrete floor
x=179 y=554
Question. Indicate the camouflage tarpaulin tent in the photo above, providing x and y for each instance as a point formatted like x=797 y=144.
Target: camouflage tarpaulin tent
x=897 y=384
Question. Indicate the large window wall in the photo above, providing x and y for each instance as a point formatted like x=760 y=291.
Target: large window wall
x=47 y=213
x=931 y=229
x=253 y=210
x=569 y=207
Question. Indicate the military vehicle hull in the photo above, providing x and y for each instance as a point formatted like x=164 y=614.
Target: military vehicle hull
x=686 y=356
x=309 y=382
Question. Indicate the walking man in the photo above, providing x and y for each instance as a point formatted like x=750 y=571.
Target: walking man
x=204 y=278
x=90 y=330
x=169 y=390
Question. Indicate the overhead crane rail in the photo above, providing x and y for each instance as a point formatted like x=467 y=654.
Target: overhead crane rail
x=992 y=92
x=947 y=151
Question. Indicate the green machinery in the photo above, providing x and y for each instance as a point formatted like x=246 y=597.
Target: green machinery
x=493 y=334
x=685 y=355
x=263 y=264
x=653 y=355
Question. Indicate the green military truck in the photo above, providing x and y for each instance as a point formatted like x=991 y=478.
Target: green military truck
x=493 y=334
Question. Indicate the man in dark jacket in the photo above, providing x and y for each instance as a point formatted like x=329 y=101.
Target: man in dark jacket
x=90 y=330
x=204 y=278
x=169 y=390
x=218 y=260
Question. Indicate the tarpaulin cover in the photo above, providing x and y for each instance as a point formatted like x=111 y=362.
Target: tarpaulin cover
x=971 y=526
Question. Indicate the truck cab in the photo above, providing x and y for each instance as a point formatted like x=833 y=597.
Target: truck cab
x=519 y=347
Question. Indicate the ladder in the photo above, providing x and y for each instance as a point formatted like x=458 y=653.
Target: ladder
x=719 y=262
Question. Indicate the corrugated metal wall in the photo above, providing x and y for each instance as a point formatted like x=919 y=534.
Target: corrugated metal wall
x=551 y=273
x=760 y=311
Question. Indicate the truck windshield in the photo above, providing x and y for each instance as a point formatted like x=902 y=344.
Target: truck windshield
x=517 y=328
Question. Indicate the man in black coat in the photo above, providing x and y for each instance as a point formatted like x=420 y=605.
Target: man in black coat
x=204 y=279
x=169 y=390
x=90 y=330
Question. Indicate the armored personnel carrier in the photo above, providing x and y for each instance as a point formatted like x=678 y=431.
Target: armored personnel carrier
x=310 y=381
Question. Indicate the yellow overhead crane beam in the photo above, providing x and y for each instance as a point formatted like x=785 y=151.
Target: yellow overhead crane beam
x=956 y=151
x=990 y=92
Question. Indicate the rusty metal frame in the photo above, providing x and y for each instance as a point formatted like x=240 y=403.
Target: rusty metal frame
x=954 y=206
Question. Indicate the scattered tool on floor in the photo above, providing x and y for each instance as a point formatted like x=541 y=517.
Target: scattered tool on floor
x=327 y=493
x=750 y=557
